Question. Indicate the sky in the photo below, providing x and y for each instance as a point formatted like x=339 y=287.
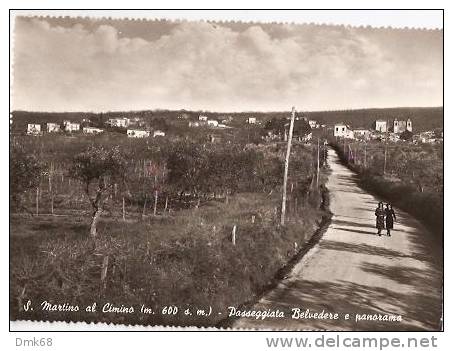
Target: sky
x=82 y=64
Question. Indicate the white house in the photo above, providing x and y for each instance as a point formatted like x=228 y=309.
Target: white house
x=425 y=137
x=92 y=130
x=71 y=127
x=213 y=123
x=313 y=124
x=227 y=119
x=202 y=118
x=158 y=133
x=343 y=131
x=136 y=121
x=194 y=124
x=53 y=127
x=251 y=120
x=399 y=126
x=362 y=134
x=119 y=122
x=381 y=125
x=33 y=129
x=137 y=133
x=307 y=137
x=214 y=138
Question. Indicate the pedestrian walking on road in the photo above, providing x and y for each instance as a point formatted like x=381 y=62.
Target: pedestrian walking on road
x=380 y=217
x=389 y=217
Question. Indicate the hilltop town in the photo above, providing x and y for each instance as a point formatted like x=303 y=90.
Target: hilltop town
x=390 y=131
x=215 y=127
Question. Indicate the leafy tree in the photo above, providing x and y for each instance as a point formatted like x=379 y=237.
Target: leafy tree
x=301 y=128
x=186 y=164
x=99 y=169
x=280 y=126
x=406 y=135
x=98 y=121
x=25 y=171
x=161 y=124
x=204 y=170
x=234 y=168
x=269 y=172
x=276 y=125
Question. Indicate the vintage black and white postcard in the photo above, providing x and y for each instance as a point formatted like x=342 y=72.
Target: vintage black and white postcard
x=226 y=174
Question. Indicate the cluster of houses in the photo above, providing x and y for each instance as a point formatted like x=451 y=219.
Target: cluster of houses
x=136 y=128
x=132 y=126
x=392 y=130
x=428 y=137
x=140 y=133
x=204 y=121
x=68 y=126
x=397 y=126
x=315 y=125
x=222 y=122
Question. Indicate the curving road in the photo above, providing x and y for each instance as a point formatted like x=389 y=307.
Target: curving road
x=353 y=271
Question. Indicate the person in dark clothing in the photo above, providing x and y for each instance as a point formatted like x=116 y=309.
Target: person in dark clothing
x=380 y=217
x=389 y=218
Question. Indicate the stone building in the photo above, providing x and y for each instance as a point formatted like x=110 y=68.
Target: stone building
x=400 y=126
x=381 y=125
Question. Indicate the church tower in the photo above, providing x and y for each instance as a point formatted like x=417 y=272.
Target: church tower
x=409 y=125
x=395 y=126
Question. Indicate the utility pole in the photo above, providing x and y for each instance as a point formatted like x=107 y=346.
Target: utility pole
x=385 y=147
x=37 y=200
x=156 y=194
x=349 y=153
x=317 y=169
x=364 y=163
x=285 y=176
x=50 y=187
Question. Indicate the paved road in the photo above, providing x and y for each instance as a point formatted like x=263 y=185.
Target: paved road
x=353 y=271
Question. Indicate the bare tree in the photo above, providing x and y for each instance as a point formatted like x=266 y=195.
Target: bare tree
x=99 y=170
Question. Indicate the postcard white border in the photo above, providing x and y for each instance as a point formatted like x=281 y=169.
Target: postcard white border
x=221 y=341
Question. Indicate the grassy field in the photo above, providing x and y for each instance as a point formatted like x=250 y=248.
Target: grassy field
x=185 y=259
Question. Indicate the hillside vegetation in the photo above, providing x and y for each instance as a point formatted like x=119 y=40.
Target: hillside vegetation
x=165 y=238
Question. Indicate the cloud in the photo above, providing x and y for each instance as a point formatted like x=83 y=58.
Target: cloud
x=198 y=65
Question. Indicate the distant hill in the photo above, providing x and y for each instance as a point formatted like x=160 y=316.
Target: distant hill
x=423 y=118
